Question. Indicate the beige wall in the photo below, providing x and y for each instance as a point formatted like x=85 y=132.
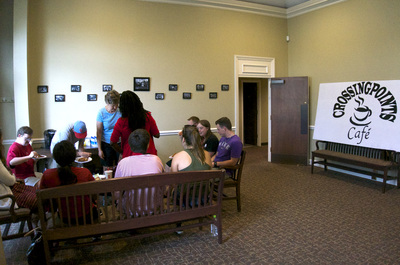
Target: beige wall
x=94 y=42
x=350 y=41
x=7 y=117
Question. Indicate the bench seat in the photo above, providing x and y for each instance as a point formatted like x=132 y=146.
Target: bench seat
x=357 y=159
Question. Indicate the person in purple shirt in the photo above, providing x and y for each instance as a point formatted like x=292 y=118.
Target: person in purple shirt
x=230 y=145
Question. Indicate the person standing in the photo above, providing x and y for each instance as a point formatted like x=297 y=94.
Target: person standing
x=106 y=119
x=72 y=132
x=134 y=116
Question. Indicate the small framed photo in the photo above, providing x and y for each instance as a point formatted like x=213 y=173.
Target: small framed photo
x=199 y=87
x=75 y=88
x=59 y=98
x=213 y=95
x=141 y=84
x=91 y=97
x=187 y=95
x=107 y=88
x=224 y=87
x=160 y=96
x=42 y=89
x=173 y=87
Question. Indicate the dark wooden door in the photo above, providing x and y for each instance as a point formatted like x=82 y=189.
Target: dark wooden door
x=250 y=113
x=289 y=120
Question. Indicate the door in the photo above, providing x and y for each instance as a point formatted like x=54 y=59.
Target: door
x=289 y=120
x=250 y=113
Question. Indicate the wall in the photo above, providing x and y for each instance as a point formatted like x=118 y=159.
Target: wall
x=7 y=117
x=92 y=42
x=355 y=40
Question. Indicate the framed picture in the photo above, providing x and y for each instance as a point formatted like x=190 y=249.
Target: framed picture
x=141 y=84
x=224 y=87
x=75 y=88
x=59 y=98
x=187 y=95
x=160 y=96
x=107 y=88
x=42 y=89
x=173 y=87
x=213 y=95
x=91 y=97
x=199 y=87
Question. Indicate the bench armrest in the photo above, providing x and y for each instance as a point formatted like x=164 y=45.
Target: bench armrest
x=317 y=144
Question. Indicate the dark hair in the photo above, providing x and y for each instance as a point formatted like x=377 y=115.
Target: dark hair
x=64 y=153
x=195 y=119
x=206 y=124
x=112 y=97
x=2 y=158
x=192 y=138
x=24 y=130
x=139 y=140
x=224 y=122
x=131 y=107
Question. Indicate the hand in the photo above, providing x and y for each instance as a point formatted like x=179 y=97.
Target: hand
x=101 y=154
x=34 y=155
x=85 y=154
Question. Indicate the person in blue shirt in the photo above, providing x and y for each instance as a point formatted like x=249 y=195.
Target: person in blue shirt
x=105 y=122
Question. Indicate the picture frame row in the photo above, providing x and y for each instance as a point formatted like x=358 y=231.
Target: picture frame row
x=61 y=97
x=140 y=84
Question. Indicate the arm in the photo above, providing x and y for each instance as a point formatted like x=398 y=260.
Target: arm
x=81 y=149
x=6 y=177
x=22 y=159
x=227 y=163
x=99 y=134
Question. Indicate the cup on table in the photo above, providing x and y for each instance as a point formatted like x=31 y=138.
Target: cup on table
x=108 y=174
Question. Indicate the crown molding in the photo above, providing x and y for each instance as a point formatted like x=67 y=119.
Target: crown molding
x=255 y=8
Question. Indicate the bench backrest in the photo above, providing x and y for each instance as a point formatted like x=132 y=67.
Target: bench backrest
x=361 y=151
x=133 y=202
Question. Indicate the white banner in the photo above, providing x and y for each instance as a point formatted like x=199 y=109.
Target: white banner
x=359 y=113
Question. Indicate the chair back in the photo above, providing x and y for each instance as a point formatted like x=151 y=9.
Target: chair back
x=237 y=173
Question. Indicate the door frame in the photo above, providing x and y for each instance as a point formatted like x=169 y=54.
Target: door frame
x=252 y=67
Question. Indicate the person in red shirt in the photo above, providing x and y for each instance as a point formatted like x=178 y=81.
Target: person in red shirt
x=64 y=154
x=134 y=116
x=20 y=156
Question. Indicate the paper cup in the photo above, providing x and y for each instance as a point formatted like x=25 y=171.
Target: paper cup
x=108 y=174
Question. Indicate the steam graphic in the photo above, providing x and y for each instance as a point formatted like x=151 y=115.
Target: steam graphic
x=361 y=114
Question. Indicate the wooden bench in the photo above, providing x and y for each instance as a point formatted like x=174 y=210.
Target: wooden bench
x=357 y=159
x=160 y=208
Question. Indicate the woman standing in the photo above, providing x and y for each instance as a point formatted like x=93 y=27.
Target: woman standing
x=106 y=119
x=208 y=139
x=6 y=179
x=134 y=116
x=193 y=157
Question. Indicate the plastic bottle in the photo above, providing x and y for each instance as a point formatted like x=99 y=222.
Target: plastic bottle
x=214 y=228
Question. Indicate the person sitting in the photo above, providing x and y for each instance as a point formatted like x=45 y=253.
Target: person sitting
x=208 y=139
x=230 y=146
x=139 y=163
x=6 y=179
x=193 y=157
x=20 y=157
x=72 y=132
x=64 y=154
x=193 y=120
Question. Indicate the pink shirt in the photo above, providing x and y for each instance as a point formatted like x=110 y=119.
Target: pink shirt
x=137 y=165
x=122 y=130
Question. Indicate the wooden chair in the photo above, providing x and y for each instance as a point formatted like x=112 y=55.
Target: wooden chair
x=234 y=181
x=12 y=215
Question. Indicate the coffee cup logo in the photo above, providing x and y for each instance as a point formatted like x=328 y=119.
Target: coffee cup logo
x=361 y=114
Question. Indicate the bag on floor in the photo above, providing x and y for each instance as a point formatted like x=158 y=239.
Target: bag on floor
x=35 y=252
